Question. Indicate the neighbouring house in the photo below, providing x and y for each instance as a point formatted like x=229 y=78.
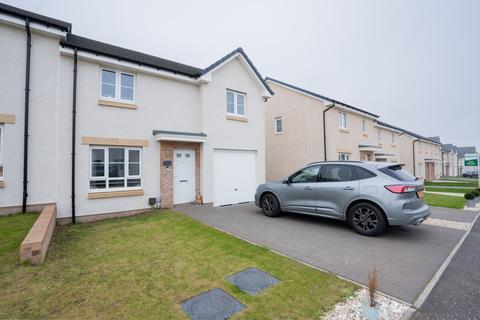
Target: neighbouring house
x=450 y=160
x=462 y=151
x=303 y=126
x=99 y=129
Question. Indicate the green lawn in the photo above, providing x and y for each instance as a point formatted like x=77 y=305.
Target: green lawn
x=470 y=184
x=144 y=266
x=447 y=189
x=438 y=200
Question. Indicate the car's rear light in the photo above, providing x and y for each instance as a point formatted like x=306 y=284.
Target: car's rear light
x=401 y=188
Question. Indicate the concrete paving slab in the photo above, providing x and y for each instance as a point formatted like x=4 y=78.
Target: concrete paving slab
x=406 y=257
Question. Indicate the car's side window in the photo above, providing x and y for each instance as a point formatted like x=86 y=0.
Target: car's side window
x=335 y=173
x=363 y=173
x=306 y=175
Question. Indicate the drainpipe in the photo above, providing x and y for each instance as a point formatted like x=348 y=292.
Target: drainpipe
x=74 y=127
x=325 y=132
x=443 y=163
x=27 y=106
x=414 y=165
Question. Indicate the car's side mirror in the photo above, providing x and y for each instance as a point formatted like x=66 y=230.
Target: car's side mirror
x=286 y=181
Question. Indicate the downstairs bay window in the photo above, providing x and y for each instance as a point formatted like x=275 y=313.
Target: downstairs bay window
x=115 y=168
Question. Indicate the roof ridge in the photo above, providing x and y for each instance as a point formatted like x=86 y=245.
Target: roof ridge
x=320 y=96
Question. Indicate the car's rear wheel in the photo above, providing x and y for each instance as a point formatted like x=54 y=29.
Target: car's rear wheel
x=270 y=205
x=367 y=219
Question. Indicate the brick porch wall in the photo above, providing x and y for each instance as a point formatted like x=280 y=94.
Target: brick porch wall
x=166 y=175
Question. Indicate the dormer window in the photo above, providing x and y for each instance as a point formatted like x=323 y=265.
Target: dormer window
x=118 y=85
x=236 y=103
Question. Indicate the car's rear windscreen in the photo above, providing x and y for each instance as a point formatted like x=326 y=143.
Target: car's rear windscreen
x=398 y=173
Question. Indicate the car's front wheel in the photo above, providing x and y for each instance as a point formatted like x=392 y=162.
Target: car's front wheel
x=367 y=219
x=270 y=205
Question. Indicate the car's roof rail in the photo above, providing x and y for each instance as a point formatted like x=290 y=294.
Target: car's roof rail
x=336 y=161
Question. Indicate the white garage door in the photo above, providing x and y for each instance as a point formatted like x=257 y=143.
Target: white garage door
x=234 y=173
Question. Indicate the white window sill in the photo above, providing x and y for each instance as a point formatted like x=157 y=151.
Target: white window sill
x=345 y=130
x=281 y=132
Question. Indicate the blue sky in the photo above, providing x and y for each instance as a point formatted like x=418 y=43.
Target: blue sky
x=415 y=63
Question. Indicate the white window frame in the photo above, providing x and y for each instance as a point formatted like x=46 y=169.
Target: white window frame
x=2 y=149
x=118 y=85
x=343 y=156
x=343 y=120
x=106 y=171
x=379 y=135
x=393 y=138
x=364 y=125
x=235 y=104
x=276 y=125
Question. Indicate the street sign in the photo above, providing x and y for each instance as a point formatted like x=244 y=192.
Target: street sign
x=471 y=159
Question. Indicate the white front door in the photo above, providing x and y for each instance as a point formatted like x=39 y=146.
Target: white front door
x=183 y=176
x=234 y=173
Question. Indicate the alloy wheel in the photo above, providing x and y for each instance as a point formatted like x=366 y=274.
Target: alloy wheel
x=365 y=219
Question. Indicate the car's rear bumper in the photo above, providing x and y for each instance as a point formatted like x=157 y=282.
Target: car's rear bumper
x=410 y=217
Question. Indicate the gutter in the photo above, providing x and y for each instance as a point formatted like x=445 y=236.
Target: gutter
x=325 y=132
x=74 y=128
x=27 y=107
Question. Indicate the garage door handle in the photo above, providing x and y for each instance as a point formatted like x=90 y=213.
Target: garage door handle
x=307 y=188
x=349 y=188
x=183 y=181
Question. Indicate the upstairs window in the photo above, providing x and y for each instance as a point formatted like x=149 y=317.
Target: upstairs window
x=2 y=147
x=278 y=125
x=343 y=120
x=344 y=156
x=393 y=137
x=236 y=103
x=118 y=85
x=379 y=135
x=364 y=125
x=115 y=168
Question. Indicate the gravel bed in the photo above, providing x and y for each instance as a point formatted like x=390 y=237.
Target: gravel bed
x=351 y=309
x=447 y=223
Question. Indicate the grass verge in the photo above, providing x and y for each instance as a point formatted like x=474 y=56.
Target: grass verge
x=144 y=266
x=438 y=200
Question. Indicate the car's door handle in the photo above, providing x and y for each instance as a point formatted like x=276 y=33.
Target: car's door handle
x=349 y=188
x=307 y=188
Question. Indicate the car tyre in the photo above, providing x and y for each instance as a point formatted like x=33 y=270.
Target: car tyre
x=367 y=219
x=270 y=205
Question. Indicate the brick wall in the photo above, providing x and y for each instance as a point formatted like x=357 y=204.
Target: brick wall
x=166 y=175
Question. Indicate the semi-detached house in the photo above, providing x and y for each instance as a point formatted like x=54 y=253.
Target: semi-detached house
x=303 y=126
x=99 y=129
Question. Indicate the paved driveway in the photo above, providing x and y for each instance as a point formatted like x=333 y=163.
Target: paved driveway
x=406 y=257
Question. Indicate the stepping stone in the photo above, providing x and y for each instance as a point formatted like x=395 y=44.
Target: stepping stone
x=212 y=305
x=252 y=280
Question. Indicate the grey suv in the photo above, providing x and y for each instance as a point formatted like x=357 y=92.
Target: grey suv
x=368 y=195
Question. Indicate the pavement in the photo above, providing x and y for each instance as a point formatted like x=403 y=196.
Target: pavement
x=456 y=295
x=406 y=257
x=452 y=194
